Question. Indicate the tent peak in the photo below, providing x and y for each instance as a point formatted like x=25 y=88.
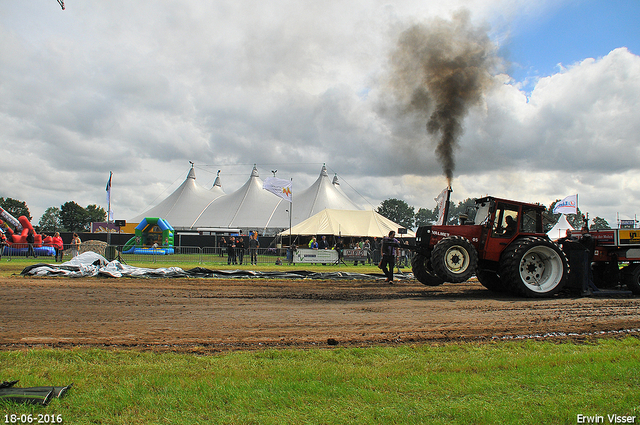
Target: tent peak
x=192 y=173
x=217 y=182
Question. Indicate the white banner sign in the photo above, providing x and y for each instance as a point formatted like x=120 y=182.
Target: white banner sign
x=315 y=256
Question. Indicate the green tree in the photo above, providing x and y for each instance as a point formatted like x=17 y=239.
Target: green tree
x=15 y=208
x=599 y=223
x=466 y=207
x=96 y=214
x=73 y=217
x=397 y=211
x=50 y=220
x=425 y=217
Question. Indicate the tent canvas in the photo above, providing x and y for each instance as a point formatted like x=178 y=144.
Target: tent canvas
x=560 y=229
x=345 y=223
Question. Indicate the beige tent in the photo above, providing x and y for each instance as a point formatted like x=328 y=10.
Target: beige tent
x=345 y=223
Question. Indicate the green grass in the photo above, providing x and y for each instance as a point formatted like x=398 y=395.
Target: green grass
x=529 y=382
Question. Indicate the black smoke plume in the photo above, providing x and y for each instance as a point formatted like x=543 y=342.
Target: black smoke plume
x=439 y=70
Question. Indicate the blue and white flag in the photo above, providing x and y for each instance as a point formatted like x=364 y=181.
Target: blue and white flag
x=568 y=205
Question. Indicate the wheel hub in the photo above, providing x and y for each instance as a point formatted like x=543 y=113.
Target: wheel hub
x=532 y=268
x=457 y=259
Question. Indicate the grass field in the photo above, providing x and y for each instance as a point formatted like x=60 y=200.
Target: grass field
x=530 y=382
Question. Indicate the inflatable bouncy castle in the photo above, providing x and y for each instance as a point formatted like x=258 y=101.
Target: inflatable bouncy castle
x=17 y=237
x=153 y=236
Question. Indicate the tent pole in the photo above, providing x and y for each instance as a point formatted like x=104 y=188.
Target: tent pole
x=290 y=215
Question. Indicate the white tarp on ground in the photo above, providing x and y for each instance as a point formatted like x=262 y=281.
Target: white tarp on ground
x=345 y=223
x=560 y=229
x=90 y=264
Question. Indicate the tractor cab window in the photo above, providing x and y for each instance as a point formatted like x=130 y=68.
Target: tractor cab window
x=483 y=213
x=531 y=220
x=506 y=221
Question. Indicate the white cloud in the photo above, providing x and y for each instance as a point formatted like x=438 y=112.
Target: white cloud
x=141 y=88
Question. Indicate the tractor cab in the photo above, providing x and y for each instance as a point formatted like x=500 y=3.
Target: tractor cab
x=503 y=220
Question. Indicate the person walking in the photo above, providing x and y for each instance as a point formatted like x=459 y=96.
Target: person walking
x=389 y=246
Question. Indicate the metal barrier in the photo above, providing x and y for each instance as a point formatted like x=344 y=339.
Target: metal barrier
x=209 y=257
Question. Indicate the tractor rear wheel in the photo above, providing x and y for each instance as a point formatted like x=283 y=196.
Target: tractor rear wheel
x=631 y=278
x=534 y=267
x=423 y=271
x=454 y=259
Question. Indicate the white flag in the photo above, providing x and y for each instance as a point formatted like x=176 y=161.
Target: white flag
x=568 y=205
x=279 y=187
x=441 y=201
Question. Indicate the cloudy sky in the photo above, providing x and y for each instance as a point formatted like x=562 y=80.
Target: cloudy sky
x=142 y=88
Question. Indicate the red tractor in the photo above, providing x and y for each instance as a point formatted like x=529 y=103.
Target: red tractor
x=505 y=247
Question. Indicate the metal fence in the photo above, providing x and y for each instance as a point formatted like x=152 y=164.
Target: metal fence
x=208 y=256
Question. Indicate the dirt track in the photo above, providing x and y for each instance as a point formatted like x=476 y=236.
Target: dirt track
x=204 y=315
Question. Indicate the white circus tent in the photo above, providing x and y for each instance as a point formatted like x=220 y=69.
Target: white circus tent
x=185 y=204
x=250 y=207
x=559 y=230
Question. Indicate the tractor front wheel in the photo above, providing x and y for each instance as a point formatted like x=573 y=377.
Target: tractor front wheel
x=454 y=259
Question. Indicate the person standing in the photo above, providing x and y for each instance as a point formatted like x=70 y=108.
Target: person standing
x=58 y=245
x=223 y=246
x=30 y=240
x=376 y=250
x=240 y=249
x=367 y=247
x=253 y=248
x=231 y=251
x=3 y=243
x=323 y=244
x=75 y=245
x=389 y=246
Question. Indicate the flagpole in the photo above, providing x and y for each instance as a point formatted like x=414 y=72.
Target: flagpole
x=109 y=210
x=290 y=215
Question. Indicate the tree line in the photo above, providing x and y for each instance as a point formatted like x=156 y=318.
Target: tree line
x=69 y=217
x=406 y=216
